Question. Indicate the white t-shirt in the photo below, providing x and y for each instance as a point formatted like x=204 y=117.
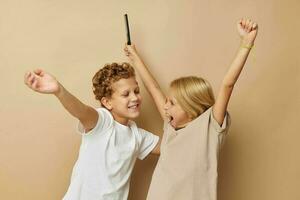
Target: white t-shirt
x=106 y=159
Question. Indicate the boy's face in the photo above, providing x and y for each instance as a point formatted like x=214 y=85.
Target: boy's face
x=125 y=101
x=178 y=118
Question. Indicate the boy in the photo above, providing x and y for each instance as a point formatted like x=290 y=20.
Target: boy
x=111 y=142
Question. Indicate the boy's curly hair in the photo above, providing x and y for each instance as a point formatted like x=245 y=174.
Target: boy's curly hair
x=106 y=76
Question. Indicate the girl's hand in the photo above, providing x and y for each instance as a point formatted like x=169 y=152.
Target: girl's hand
x=247 y=30
x=130 y=52
x=41 y=82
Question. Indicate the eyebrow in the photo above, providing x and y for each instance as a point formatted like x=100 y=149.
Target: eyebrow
x=128 y=90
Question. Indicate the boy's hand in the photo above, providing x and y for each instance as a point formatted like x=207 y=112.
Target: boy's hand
x=41 y=82
x=247 y=30
x=131 y=53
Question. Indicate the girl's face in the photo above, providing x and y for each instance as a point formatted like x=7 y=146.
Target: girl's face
x=125 y=102
x=178 y=118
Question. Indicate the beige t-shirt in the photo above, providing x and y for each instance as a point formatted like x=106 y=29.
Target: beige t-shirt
x=187 y=167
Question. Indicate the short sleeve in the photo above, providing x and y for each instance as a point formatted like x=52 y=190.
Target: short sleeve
x=147 y=143
x=225 y=125
x=104 y=121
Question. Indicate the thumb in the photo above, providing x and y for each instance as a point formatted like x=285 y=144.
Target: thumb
x=39 y=72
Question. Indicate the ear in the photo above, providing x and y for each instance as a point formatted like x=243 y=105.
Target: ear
x=106 y=102
x=190 y=117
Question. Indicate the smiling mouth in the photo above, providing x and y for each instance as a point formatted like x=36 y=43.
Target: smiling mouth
x=133 y=106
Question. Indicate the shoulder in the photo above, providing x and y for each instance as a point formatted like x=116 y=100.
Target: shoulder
x=103 y=110
x=203 y=117
x=220 y=128
x=104 y=114
x=105 y=121
x=207 y=119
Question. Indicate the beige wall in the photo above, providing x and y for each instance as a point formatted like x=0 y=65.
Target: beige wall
x=72 y=39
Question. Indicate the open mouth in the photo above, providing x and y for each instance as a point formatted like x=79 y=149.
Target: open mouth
x=170 y=118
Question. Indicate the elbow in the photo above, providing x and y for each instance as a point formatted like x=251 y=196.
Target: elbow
x=156 y=153
x=228 y=85
x=228 y=82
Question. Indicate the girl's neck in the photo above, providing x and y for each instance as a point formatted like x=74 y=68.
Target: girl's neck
x=182 y=126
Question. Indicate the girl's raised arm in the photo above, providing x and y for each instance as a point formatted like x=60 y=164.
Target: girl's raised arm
x=247 y=30
x=149 y=81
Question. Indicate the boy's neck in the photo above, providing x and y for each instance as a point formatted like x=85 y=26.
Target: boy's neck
x=121 y=120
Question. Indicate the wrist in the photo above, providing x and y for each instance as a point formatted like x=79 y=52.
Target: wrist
x=246 y=45
x=136 y=59
x=59 y=92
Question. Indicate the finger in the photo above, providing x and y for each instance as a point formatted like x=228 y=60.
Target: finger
x=254 y=26
x=34 y=84
x=27 y=74
x=239 y=24
x=31 y=80
x=240 y=21
x=247 y=25
x=251 y=24
x=28 y=82
x=243 y=23
x=39 y=72
x=127 y=45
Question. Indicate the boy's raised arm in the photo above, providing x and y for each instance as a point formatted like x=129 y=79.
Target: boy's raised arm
x=247 y=30
x=149 y=81
x=42 y=82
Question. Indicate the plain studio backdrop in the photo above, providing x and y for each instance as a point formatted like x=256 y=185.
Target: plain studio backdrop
x=73 y=39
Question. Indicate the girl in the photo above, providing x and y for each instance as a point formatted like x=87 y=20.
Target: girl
x=194 y=126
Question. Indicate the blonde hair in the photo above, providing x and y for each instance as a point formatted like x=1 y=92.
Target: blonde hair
x=193 y=94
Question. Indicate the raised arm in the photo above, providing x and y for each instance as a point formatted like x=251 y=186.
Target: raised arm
x=247 y=30
x=149 y=81
x=42 y=82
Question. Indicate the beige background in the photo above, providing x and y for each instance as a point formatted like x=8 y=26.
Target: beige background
x=72 y=39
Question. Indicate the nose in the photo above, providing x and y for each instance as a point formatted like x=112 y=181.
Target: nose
x=134 y=97
x=166 y=106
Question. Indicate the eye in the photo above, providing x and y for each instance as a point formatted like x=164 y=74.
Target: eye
x=137 y=91
x=126 y=94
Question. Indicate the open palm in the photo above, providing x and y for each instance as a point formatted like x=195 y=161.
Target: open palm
x=41 y=82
